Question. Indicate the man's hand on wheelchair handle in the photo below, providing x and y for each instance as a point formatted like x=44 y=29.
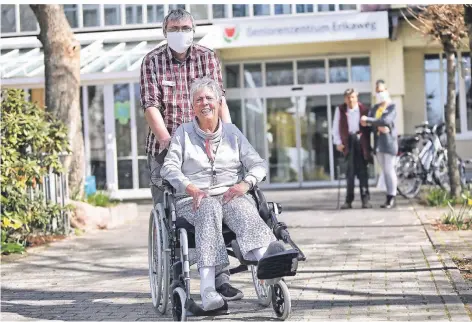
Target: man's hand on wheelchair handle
x=196 y=194
x=340 y=147
x=238 y=190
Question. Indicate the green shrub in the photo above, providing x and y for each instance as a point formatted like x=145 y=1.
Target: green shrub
x=100 y=199
x=31 y=141
x=437 y=197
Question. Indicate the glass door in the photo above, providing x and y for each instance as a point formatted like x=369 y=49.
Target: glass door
x=130 y=129
x=315 y=138
x=282 y=140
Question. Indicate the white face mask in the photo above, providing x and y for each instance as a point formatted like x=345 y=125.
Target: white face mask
x=382 y=97
x=179 y=41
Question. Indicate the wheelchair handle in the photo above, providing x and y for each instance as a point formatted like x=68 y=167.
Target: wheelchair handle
x=275 y=207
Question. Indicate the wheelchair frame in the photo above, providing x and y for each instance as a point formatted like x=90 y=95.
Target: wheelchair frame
x=168 y=274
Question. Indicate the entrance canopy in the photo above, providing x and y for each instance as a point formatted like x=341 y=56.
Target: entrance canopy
x=113 y=53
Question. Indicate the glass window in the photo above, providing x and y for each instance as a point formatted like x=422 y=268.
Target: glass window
x=28 y=20
x=303 y=8
x=434 y=108
x=254 y=109
x=91 y=15
x=144 y=173
x=279 y=74
x=326 y=7
x=261 y=9
x=347 y=7
x=142 y=129
x=431 y=62
x=466 y=66
x=112 y=14
x=125 y=174
x=252 y=75
x=314 y=132
x=134 y=14
x=199 y=11
x=236 y=113
x=155 y=13
x=123 y=135
x=360 y=69
x=72 y=15
x=96 y=122
x=281 y=137
x=8 y=18
x=338 y=70
x=282 y=9
x=232 y=76
x=176 y=6
x=240 y=10
x=311 y=72
x=220 y=11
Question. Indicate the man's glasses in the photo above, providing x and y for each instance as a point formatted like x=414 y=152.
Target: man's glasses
x=177 y=29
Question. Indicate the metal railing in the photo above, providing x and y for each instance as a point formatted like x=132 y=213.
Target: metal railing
x=53 y=188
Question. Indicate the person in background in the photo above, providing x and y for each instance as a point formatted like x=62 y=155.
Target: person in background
x=354 y=142
x=382 y=120
x=166 y=74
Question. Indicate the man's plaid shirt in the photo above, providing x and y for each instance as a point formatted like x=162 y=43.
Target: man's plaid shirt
x=165 y=84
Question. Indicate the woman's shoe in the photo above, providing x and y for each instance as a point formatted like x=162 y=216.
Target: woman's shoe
x=390 y=203
x=211 y=300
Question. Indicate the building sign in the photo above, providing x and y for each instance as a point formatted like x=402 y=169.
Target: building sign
x=302 y=29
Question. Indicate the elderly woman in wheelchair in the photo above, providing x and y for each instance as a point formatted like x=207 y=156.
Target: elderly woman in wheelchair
x=214 y=172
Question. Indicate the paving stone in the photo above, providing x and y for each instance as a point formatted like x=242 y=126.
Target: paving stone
x=362 y=265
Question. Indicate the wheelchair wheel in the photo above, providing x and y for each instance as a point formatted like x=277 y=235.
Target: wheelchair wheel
x=179 y=313
x=158 y=265
x=263 y=291
x=281 y=301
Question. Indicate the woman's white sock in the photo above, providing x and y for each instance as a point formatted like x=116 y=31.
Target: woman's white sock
x=259 y=252
x=207 y=278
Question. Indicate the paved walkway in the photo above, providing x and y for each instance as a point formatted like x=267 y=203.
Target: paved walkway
x=363 y=265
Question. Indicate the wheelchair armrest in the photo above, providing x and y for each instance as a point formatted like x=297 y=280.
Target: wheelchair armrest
x=167 y=186
x=261 y=202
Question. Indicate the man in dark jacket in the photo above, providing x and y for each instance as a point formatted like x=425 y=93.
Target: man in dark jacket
x=353 y=140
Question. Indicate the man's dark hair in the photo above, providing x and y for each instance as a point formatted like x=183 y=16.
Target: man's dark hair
x=349 y=91
x=379 y=82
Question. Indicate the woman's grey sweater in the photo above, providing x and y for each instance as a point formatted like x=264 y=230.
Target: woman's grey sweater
x=187 y=162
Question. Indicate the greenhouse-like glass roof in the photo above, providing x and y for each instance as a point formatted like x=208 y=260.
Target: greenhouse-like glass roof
x=96 y=57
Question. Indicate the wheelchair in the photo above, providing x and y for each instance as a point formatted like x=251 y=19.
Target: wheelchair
x=171 y=237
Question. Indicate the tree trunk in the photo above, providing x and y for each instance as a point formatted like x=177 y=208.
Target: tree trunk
x=453 y=169
x=62 y=84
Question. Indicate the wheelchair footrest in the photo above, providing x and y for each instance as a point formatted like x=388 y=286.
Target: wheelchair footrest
x=278 y=265
x=197 y=310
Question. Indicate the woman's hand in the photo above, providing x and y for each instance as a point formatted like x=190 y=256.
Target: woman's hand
x=196 y=194
x=235 y=191
x=364 y=120
x=383 y=129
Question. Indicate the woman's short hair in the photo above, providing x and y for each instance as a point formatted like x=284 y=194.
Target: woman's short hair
x=206 y=82
x=177 y=15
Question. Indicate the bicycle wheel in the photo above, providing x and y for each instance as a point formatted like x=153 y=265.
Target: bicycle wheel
x=409 y=176
x=441 y=172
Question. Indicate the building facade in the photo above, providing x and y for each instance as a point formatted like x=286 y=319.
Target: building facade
x=285 y=69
